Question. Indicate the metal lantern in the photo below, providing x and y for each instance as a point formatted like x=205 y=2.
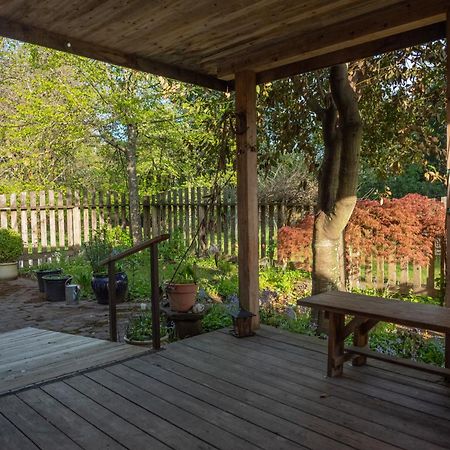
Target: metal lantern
x=242 y=323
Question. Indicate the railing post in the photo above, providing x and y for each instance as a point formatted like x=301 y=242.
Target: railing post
x=112 y=301
x=154 y=279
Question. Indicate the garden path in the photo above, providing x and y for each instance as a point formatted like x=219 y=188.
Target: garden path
x=22 y=305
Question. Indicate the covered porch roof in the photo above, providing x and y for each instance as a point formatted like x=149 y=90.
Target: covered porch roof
x=207 y=42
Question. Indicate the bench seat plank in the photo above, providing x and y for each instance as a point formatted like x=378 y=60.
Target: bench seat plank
x=417 y=315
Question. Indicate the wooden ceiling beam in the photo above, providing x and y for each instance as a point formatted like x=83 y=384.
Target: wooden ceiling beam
x=33 y=35
x=399 y=18
x=388 y=44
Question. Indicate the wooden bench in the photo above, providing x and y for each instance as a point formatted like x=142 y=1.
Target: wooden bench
x=367 y=312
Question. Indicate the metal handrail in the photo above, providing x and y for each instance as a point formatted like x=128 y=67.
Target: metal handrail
x=137 y=248
x=154 y=281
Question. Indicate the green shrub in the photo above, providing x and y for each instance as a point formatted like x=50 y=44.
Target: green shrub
x=217 y=317
x=174 y=248
x=11 y=245
x=187 y=273
x=139 y=328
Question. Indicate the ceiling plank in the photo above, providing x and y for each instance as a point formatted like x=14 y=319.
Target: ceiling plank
x=396 y=19
x=33 y=35
x=388 y=44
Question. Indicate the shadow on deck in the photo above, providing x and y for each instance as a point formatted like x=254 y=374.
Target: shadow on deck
x=215 y=391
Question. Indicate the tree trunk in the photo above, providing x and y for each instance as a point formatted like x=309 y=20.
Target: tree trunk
x=133 y=187
x=342 y=132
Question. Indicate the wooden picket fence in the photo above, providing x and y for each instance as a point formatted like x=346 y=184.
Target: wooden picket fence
x=377 y=273
x=52 y=222
x=212 y=216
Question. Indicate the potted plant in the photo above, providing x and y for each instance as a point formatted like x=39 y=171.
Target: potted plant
x=11 y=248
x=139 y=330
x=96 y=250
x=55 y=287
x=182 y=289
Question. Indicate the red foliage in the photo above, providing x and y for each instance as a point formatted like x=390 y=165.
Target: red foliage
x=399 y=230
x=294 y=244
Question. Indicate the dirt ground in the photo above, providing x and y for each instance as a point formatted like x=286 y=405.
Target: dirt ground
x=22 y=305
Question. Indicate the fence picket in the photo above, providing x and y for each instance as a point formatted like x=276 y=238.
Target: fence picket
x=52 y=219
x=233 y=221
x=93 y=214
x=76 y=217
x=61 y=222
x=3 y=211
x=69 y=218
x=24 y=222
x=187 y=219
x=13 y=205
x=85 y=204
x=34 y=224
x=43 y=221
x=262 y=212
x=226 y=221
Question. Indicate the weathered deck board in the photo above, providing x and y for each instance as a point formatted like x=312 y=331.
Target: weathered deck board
x=30 y=356
x=215 y=391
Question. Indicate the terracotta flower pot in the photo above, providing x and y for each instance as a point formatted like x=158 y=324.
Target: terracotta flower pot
x=182 y=296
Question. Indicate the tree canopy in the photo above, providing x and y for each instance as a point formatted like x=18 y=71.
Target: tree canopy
x=64 y=118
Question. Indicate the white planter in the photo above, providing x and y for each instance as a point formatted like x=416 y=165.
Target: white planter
x=9 y=271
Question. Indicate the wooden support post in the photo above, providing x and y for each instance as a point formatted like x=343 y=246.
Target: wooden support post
x=112 y=301
x=447 y=217
x=247 y=199
x=154 y=280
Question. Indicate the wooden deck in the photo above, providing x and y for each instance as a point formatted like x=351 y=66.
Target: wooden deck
x=215 y=391
x=30 y=355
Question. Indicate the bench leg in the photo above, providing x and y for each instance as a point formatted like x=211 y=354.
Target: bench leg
x=360 y=339
x=335 y=344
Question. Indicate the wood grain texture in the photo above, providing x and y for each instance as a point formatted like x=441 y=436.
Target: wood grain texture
x=247 y=196
x=395 y=311
x=206 y=42
x=215 y=391
x=30 y=356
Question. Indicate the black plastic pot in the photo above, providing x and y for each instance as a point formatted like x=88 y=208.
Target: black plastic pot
x=55 y=287
x=99 y=285
x=44 y=272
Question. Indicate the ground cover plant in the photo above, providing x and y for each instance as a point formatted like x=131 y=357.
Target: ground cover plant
x=280 y=289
